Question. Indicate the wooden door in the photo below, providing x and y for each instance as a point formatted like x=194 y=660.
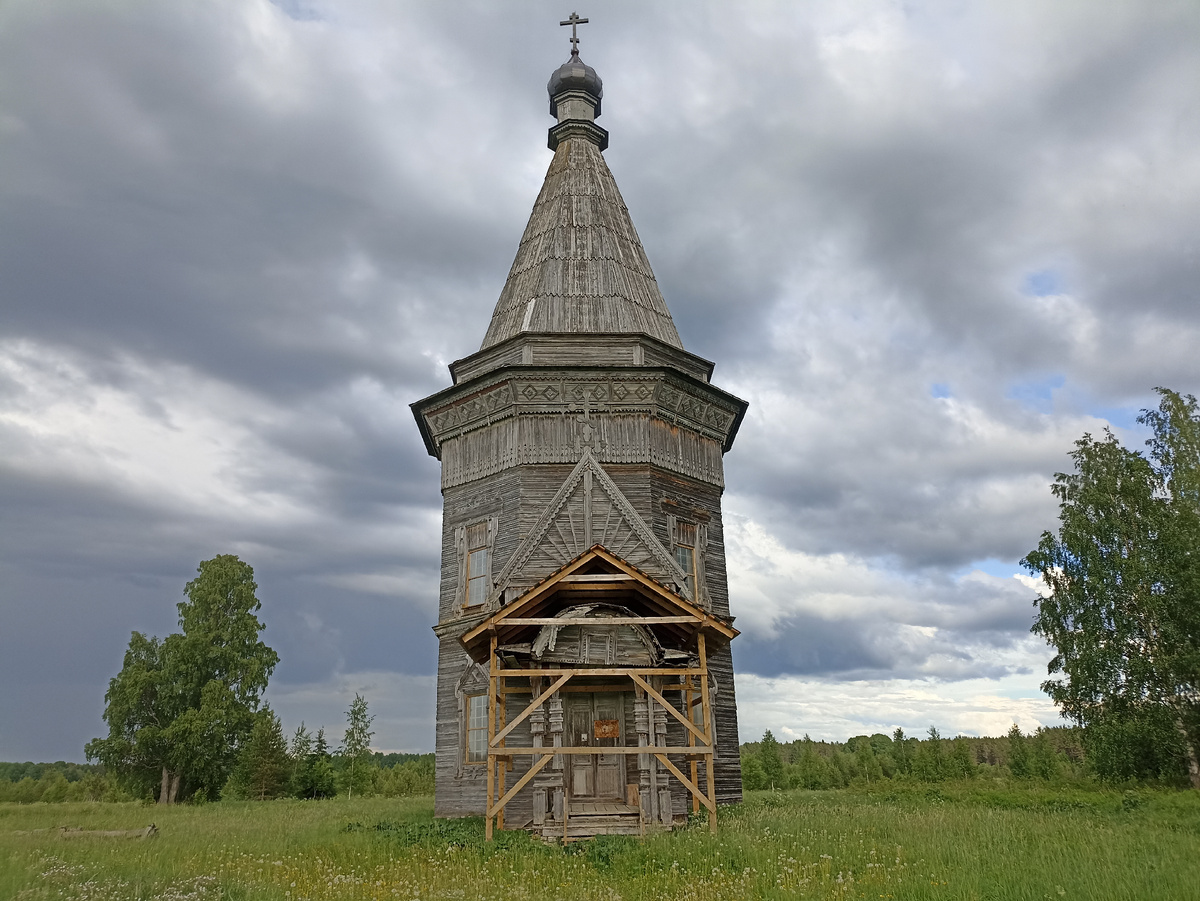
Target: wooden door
x=596 y=776
x=583 y=766
x=610 y=768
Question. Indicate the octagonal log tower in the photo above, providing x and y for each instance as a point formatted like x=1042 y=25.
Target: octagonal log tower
x=584 y=604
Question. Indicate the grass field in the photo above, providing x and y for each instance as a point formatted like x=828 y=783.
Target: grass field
x=968 y=841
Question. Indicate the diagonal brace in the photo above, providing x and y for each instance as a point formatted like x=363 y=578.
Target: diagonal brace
x=669 y=707
x=521 y=783
x=687 y=783
x=534 y=705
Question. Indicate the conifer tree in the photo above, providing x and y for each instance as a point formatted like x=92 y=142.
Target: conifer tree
x=902 y=752
x=322 y=784
x=771 y=761
x=1043 y=761
x=301 y=753
x=263 y=768
x=1018 y=754
x=961 y=764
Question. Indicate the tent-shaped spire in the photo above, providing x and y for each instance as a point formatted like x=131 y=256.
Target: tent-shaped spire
x=580 y=267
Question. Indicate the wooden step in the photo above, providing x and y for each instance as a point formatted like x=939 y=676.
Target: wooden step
x=588 y=825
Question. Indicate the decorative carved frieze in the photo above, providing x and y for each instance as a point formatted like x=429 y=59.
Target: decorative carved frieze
x=648 y=416
x=699 y=407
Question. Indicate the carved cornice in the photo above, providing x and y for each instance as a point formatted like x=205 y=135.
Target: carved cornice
x=661 y=393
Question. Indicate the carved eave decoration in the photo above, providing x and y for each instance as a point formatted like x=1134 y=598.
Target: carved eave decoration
x=596 y=576
x=663 y=393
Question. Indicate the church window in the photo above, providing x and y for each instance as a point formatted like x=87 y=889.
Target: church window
x=477 y=726
x=685 y=553
x=598 y=648
x=478 y=570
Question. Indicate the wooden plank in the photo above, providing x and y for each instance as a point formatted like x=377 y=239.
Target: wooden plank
x=669 y=707
x=692 y=760
x=606 y=671
x=599 y=577
x=534 y=705
x=598 y=620
x=520 y=784
x=595 y=586
x=511 y=751
x=503 y=765
x=491 y=762
x=688 y=784
x=710 y=734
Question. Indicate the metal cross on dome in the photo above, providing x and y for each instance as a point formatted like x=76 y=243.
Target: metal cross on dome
x=574 y=21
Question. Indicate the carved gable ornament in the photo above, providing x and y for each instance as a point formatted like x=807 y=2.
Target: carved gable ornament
x=588 y=509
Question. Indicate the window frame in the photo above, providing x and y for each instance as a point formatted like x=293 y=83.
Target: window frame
x=468 y=729
x=475 y=549
x=685 y=538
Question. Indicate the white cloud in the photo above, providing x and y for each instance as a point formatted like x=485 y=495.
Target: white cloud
x=238 y=239
x=162 y=433
x=832 y=710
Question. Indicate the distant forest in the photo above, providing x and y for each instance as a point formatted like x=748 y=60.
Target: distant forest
x=387 y=775
x=1053 y=755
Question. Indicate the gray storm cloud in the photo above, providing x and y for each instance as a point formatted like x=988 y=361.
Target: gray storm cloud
x=930 y=244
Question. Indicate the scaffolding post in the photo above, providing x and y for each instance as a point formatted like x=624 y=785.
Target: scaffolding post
x=709 y=735
x=491 y=760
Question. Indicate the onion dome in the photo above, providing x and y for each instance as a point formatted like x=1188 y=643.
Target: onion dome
x=574 y=75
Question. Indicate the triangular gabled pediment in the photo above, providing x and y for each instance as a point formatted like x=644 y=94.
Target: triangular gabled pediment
x=588 y=509
x=600 y=577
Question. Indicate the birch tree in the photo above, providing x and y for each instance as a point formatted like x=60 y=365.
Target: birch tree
x=1123 y=607
x=180 y=708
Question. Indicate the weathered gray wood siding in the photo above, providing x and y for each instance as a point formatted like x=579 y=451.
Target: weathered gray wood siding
x=580 y=266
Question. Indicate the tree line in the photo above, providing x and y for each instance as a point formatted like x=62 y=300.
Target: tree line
x=1049 y=754
x=187 y=720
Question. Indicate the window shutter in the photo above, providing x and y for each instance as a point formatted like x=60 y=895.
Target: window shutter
x=460 y=553
x=493 y=526
x=701 y=597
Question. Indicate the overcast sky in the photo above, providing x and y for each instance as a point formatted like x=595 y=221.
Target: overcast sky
x=932 y=244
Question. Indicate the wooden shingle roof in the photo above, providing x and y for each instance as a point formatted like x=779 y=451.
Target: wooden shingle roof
x=580 y=267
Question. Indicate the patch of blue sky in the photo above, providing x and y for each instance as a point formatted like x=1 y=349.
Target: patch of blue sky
x=300 y=10
x=939 y=389
x=1037 y=394
x=1042 y=283
x=1125 y=419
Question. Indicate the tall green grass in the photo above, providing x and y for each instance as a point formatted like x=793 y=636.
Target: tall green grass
x=955 y=841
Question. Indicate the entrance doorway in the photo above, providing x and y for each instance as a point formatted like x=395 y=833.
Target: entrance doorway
x=596 y=720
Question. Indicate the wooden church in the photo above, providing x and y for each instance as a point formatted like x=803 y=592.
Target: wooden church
x=585 y=683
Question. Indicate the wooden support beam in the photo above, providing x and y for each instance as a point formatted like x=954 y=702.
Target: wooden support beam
x=511 y=751
x=503 y=764
x=691 y=758
x=534 y=705
x=689 y=785
x=599 y=577
x=622 y=587
x=491 y=762
x=710 y=733
x=670 y=708
x=606 y=671
x=595 y=620
x=520 y=784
